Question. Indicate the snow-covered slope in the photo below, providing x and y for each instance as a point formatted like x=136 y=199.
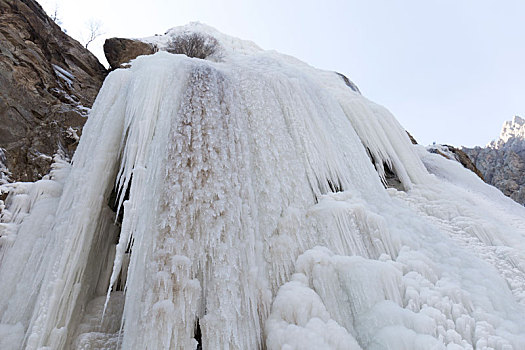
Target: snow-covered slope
x=253 y=217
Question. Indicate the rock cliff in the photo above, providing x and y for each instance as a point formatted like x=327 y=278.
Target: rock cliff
x=502 y=162
x=48 y=82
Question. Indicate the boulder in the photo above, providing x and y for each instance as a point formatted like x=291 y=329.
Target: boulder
x=119 y=50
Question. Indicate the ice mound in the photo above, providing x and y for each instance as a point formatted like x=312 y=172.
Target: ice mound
x=241 y=201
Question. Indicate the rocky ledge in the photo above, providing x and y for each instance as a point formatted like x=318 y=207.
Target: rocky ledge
x=119 y=51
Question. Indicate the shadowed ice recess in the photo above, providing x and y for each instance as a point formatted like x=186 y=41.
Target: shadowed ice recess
x=240 y=200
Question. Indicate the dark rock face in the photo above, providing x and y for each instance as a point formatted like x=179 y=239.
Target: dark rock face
x=502 y=162
x=120 y=50
x=47 y=83
x=412 y=139
x=349 y=83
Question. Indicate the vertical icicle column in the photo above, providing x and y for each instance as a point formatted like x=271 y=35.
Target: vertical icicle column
x=66 y=285
x=25 y=245
x=201 y=241
x=154 y=96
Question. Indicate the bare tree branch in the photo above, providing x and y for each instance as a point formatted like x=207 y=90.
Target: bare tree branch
x=54 y=16
x=95 y=30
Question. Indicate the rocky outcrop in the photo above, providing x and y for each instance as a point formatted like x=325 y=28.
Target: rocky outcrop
x=119 y=50
x=412 y=139
x=348 y=82
x=502 y=162
x=453 y=153
x=48 y=83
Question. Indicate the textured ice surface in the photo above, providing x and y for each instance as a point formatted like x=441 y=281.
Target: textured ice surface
x=4 y=172
x=251 y=213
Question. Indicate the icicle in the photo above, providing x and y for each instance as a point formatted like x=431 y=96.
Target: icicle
x=249 y=215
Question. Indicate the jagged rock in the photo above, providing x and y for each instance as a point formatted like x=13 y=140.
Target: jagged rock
x=48 y=82
x=502 y=162
x=119 y=50
x=349 y=83
x=453 y=153
x=412 y=139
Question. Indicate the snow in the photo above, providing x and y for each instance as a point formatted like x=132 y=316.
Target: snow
x=253 y=215
x=72 y=133
x=63 y=74
x=66 y=80
x=442 y=150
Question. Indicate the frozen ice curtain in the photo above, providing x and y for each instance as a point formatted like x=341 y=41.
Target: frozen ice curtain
x=245 y=200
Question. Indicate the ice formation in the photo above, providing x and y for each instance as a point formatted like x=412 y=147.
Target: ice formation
x=242 y=200
x=4 y=172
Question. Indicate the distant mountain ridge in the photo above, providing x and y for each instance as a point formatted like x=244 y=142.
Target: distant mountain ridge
x=502 y=162
x=512 y=135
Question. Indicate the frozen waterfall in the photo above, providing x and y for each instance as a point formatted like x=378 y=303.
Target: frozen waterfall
x=245 y=200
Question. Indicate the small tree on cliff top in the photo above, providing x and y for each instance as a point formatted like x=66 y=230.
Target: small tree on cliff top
x=95 y=30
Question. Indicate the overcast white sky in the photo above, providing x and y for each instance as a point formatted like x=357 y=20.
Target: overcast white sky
x=451 y=71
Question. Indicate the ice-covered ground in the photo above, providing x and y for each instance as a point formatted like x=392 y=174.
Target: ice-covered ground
x=255 y=216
